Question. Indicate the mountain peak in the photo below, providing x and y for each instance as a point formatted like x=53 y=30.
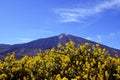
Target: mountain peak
x=33 y=47
x=62 y=35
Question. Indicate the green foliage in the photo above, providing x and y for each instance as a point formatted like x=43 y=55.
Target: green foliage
x=84 y=62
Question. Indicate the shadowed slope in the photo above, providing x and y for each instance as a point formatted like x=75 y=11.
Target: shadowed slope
x=33 y=47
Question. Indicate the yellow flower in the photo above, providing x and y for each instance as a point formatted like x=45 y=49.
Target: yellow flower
x=97 y=45
x=77 y=62
x=58 y=77
x=117 y=75
x=64 y=78
x=3 y=75
x=85 y=76
x=106 y=74
x=92 y=64
x=74 y=79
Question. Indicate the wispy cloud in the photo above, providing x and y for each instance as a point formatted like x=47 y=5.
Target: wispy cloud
x=89 y=38
x=101 y=38
x=38 y=34
x=24 y=40
x=81 y=14
x=96 y=38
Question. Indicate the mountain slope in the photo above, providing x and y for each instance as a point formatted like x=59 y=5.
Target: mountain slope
x=31 y=48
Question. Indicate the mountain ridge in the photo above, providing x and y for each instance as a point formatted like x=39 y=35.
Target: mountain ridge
x=32 y=48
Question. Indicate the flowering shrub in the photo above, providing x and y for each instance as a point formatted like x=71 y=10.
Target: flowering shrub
x=84 y=62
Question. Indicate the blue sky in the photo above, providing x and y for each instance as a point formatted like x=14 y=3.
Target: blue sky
x=26 y=20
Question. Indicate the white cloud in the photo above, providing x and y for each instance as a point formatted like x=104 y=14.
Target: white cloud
x=81 y=14
x=24 y=40
x=89 y=38
x=96 y=38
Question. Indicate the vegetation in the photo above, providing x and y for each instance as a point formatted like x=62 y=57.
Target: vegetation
x=84 y=62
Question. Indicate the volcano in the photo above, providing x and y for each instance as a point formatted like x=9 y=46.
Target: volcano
x=33 y=47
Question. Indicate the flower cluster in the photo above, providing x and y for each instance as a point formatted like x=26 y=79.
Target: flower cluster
x=84 y=62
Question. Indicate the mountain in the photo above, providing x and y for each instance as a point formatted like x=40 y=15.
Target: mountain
x=33 y=47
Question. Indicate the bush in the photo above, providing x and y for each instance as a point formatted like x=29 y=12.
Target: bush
x=84 y=62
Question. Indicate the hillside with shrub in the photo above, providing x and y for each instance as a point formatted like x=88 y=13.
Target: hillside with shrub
x=84 y=62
